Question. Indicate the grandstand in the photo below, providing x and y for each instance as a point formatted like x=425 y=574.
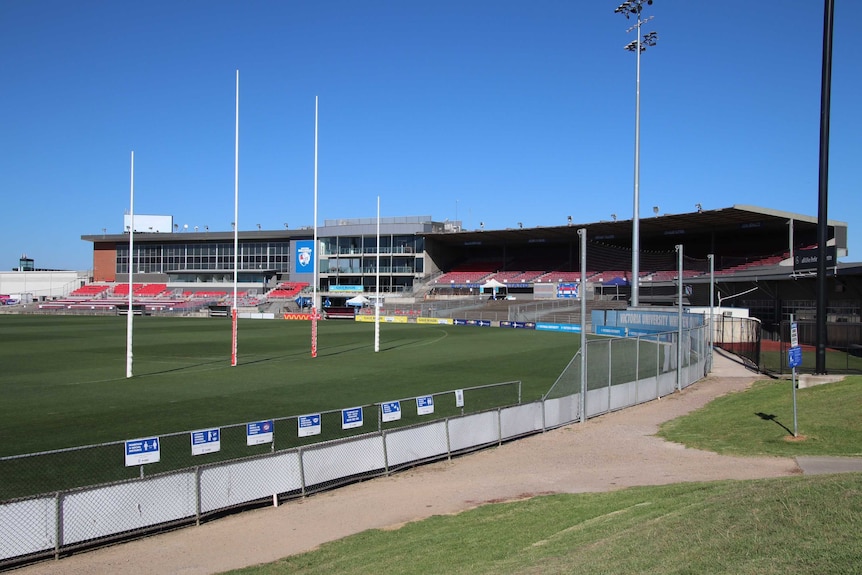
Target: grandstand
x=287 y=290
x=422 y=260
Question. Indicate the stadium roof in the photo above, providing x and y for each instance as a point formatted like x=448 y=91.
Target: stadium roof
x=663 y=230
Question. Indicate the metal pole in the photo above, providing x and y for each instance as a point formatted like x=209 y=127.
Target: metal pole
x=234 y=317
x=582 y=291
x=129 y=317
x=711 y=307
x=636 y=210
x=377 y=287
x=793 y=371
x=823 y=188
x=315 y=259
x=679 y=321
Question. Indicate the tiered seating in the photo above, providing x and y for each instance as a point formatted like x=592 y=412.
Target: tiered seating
x=205 y=294
x=287 y=290
x=564 y=277
x=671 y=275
x=89 y=290
x=505 y=277
x=474 y=277
x=763 y=262
x=123 y=289
x=517 y=277
x=150 y=290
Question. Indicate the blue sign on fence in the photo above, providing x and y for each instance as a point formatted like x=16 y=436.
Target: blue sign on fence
x=351 y=418
x=258 y=432
x=308 y=425
x=206 y=441
x=141 y=451
x=390 y=411
x=794 y=356
x=425 y=405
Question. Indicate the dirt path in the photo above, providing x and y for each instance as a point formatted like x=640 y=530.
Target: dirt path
x=610 y=452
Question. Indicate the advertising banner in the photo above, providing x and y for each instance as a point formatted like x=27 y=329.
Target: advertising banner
x=567 y=290
x=434 y=320
x=474 y=322
x=346 y=289
x=304 y=257
x=568 y=327
x=518 y=324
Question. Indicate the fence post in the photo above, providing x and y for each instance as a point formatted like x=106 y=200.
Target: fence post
x=637 y=367
x=448 y=440
x=301 y=471
x=544 y=417
x=197 y=496
x=610 y=370
x=385 y=453
x=58 y=526
x=657 y=365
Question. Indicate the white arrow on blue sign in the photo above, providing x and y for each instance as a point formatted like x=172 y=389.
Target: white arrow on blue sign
x=141 y=451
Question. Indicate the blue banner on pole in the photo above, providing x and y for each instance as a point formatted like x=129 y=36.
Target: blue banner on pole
x=304 y=257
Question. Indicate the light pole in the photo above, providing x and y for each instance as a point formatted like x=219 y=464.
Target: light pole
x=634 y=8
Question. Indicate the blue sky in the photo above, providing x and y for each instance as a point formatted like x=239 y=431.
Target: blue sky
x=487 y=111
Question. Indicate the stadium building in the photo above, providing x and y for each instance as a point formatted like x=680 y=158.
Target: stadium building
x=762 y=259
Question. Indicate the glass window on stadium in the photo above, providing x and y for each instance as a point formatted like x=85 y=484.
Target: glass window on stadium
x=148 y=259
x=280 y=256
x=330 y=246
x=369 y=265
x=405 y=244
x=175 y=257
x=385 y=244
x=403 y=265
x=202 y=256
x=345 y=266
x=349 y=245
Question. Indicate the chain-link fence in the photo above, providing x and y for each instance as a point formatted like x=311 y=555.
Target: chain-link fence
x=741 y=336
x=843 y=345
x=625 y=371
x=91 y=495
x=63 y=469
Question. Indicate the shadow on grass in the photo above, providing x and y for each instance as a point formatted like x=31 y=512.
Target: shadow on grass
x=771 y=417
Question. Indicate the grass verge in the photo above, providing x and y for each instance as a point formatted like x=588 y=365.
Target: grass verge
x=801 y=525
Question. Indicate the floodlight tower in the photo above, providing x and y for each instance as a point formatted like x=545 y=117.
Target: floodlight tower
x=635 y=8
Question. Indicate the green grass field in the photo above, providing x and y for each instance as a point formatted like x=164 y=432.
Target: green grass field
x=759 y=421
x=63 y=380
x=63 y=384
